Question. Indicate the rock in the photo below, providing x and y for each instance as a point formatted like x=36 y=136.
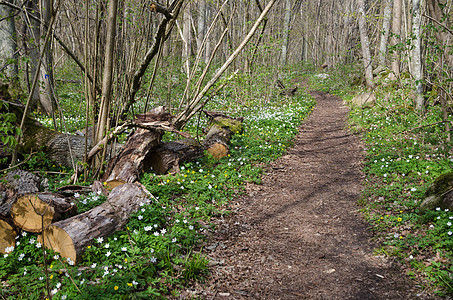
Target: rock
x=367 y=99
x=439 y=194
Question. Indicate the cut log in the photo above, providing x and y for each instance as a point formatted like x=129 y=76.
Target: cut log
x=71 y=237
x=7 y=237
x=111 y=184
x=129 y=163
x=33 y=212
x=14 y=184
x=168 y=156
x=221 y=129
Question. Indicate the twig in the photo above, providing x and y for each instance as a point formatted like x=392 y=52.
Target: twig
x=19 y=164
x=438 y=23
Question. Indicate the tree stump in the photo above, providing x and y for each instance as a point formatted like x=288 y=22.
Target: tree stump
x=71 y=237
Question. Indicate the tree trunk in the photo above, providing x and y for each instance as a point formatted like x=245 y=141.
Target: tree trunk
x=33 y=39
x=385 y=31
x=221 y=129
x=396 y=32
x=59 y=147
x=186 y=34
x=416 y=56
x=201 y=24
x=8 y=42
x=131 y=161
x=71 y=237
x=167 y=157
x=104 y=108
x=208 y=48
x=286 y=24
x=46 y=87
x=365 y=45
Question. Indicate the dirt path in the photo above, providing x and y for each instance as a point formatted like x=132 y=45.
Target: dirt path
x=299 y=235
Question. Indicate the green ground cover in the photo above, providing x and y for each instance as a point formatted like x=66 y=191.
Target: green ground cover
x=159 y=251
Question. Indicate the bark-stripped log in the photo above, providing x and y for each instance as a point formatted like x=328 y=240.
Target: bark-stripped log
x=221 y=129
x=71 y=237
x=168 y=156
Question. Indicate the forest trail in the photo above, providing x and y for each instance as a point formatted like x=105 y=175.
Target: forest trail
x=300 y=235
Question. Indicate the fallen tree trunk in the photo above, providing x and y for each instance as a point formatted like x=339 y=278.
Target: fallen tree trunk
x=71 y=237
x=130 y=162
x=168 y=156
x=222 y=127
x=59 y=147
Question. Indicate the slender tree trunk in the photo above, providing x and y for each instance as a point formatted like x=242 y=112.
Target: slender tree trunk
x=33 y=40
x=208 y=47
x=186 y=33
x=396 y=32
x=104 y=108
x=365 y=45
x=8 y=44
x=385 y=31
x=416 y=55
x=201 y=23
x=286 y=32
x=46 y=94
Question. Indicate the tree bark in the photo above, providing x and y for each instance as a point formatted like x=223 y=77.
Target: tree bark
x=396 y=32
x=104 y=108
x=167 y=157
x=365 y=45
x=131 y=161
x=201 y=24
x=70 y=237
x=221 y=129
x=385 y=32
x=8 y=43
x=46 y=86
x=286 y=24
x=187 y=39
x=56 y=145
x=416 y=56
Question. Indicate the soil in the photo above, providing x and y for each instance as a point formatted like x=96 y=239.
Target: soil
x=300 y=234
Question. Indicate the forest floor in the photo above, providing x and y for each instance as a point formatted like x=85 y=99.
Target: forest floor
x=300 y=234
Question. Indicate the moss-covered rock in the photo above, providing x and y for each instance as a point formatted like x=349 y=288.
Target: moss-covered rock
x=439 y=194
